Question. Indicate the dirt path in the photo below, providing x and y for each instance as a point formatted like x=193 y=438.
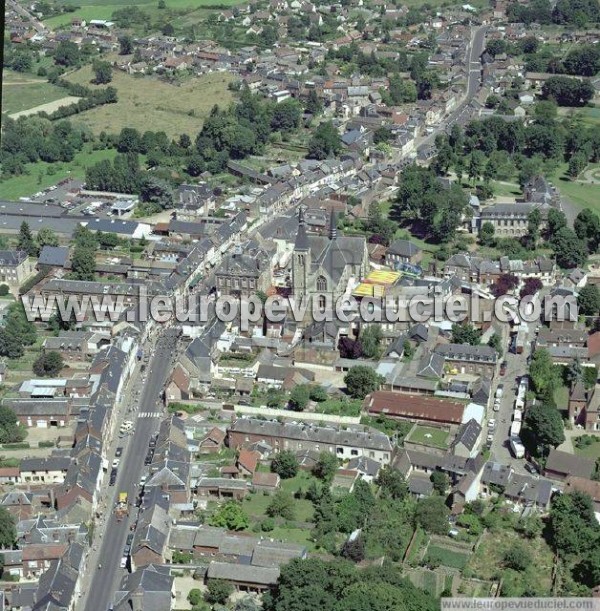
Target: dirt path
x=49 y=107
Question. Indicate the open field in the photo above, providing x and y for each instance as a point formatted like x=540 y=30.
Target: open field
x=48 y=107
x=37 y=177
x=148 y=103
x=583 y=195
x=103 y=9
x=429 y=436
x=22 y=92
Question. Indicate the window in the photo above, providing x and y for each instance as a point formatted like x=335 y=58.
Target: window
x=371 y=454
x=321 y=283
x=340 y=450
x=354 y=452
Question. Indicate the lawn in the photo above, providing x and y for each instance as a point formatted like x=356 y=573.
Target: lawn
x=429 y=436
x=255 y=505
x=148 y=103
x=447 y=557
x=41 y=175
x=22 y=92
x=340 y=407
x=561 y=397
x=590 y=448
x=583 y=195
x=302 y=481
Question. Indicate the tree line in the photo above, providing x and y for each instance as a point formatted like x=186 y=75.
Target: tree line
x=576 y=13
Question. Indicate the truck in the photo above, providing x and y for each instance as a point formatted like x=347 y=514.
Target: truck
x=515 y=429
x=516 y=447
x=122 y=507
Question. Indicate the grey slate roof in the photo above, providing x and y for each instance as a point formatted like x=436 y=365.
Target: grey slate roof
x=466 y=352
x=55 y=256
x=259 y=575
x=149 y=588
x=404 y=248
x=12 y=258
x=468 y=434
x=369 y=439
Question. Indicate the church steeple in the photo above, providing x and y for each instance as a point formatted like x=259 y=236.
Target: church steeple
x=301 y=243
x=332 y=225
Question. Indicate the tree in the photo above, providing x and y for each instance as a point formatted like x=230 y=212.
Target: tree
x=567 y=91
x=573 y=372
x=46 y=237
x=577 y=164
x=66 y=53
x=572 y=526
x=361 y=380
x=246 y=604
x=546 y=426
x=486 y=234
x=432 y=514
x=313 y=104
x=8 y=530
x=534 y=220
x=569 y=250
x=587 y=228
x=517 y=557
x=504 y=284
x=102 y=71
x=325 y=142
x=299 y=397
x=326 y=466
x=218 y=591
x=281 y=505
x=544 y=376
x=285 y=464
x=162 y=4
x=194 y=597
x=130 y=141
x=317 y=393
x=354 y=549
x=48 y=364
x=230 y=516
x=588 y=300
x=531 y=286
x=10 y=431
x=370 y=340
x=126 y=45
x=587 y=571
x=83 y=263
x=4 y=290
x=286 y=116
x=392 y=484
x=440 y=482
x=465 y=333
x=555 y=221
x=26 y=241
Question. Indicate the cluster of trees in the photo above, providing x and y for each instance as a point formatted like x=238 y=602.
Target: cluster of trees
x=574 y=534
x=576 y=13
x=10 y=432
x=425 y=203
x=16 y=333
x=362 y=380
x=242 y=130
x=48 y=364
x=567 y=91
x=31 y=139
x=303 y=393
x=31 y=245
x=465 y=333
x=325 y=142
x=305 y=585
x=122 y=175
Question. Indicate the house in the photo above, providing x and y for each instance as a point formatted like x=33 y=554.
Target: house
x=53 y=257
x=150 y=587
x=521 y=489
x=243 y=274
x=478 y=359
x=178 y=387
x=51 y=470
x=403 y=251
x=247 y=462
x=151 y=535
x=367 y=468
x=247 y=578
x=265 y=482
x=15 y=268
x=467 y=440
x=508 y=220
x=212 y=442
x=222 y=488
x=561 y=465
x=344 y=443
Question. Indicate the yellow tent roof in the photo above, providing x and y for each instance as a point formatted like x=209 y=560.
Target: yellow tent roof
x=364 y=289
x=383 y=277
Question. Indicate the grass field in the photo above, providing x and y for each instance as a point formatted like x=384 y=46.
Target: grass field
x=22 y=92
x=103 y=9
x=147 y=103
x=429 y=436
x=255 y=505
x=582 y=194
x=447 y=557
x=37 y=177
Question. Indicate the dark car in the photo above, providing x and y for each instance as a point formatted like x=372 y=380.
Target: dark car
x=148 y=459
x=129 y=539
x=503 y=367
x=119 y=453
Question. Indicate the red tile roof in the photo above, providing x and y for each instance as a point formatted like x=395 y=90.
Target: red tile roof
x=414 y=407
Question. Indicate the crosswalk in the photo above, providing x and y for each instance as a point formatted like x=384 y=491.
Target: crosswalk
x=149 y=415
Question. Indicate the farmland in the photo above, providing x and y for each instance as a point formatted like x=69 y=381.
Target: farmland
x=148 y=103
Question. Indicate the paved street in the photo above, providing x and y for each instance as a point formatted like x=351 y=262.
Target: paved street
x=110 y=535
x=516 y=367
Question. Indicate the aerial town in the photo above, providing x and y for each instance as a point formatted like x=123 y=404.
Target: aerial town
x=432 y=169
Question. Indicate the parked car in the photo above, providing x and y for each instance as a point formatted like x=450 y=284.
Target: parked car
x=491 y=423
x=503 y=367
x=531 y=468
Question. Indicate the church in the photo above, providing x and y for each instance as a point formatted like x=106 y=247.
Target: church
x=324 y=264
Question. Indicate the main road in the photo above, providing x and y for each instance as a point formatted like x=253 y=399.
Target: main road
x=105 y=569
